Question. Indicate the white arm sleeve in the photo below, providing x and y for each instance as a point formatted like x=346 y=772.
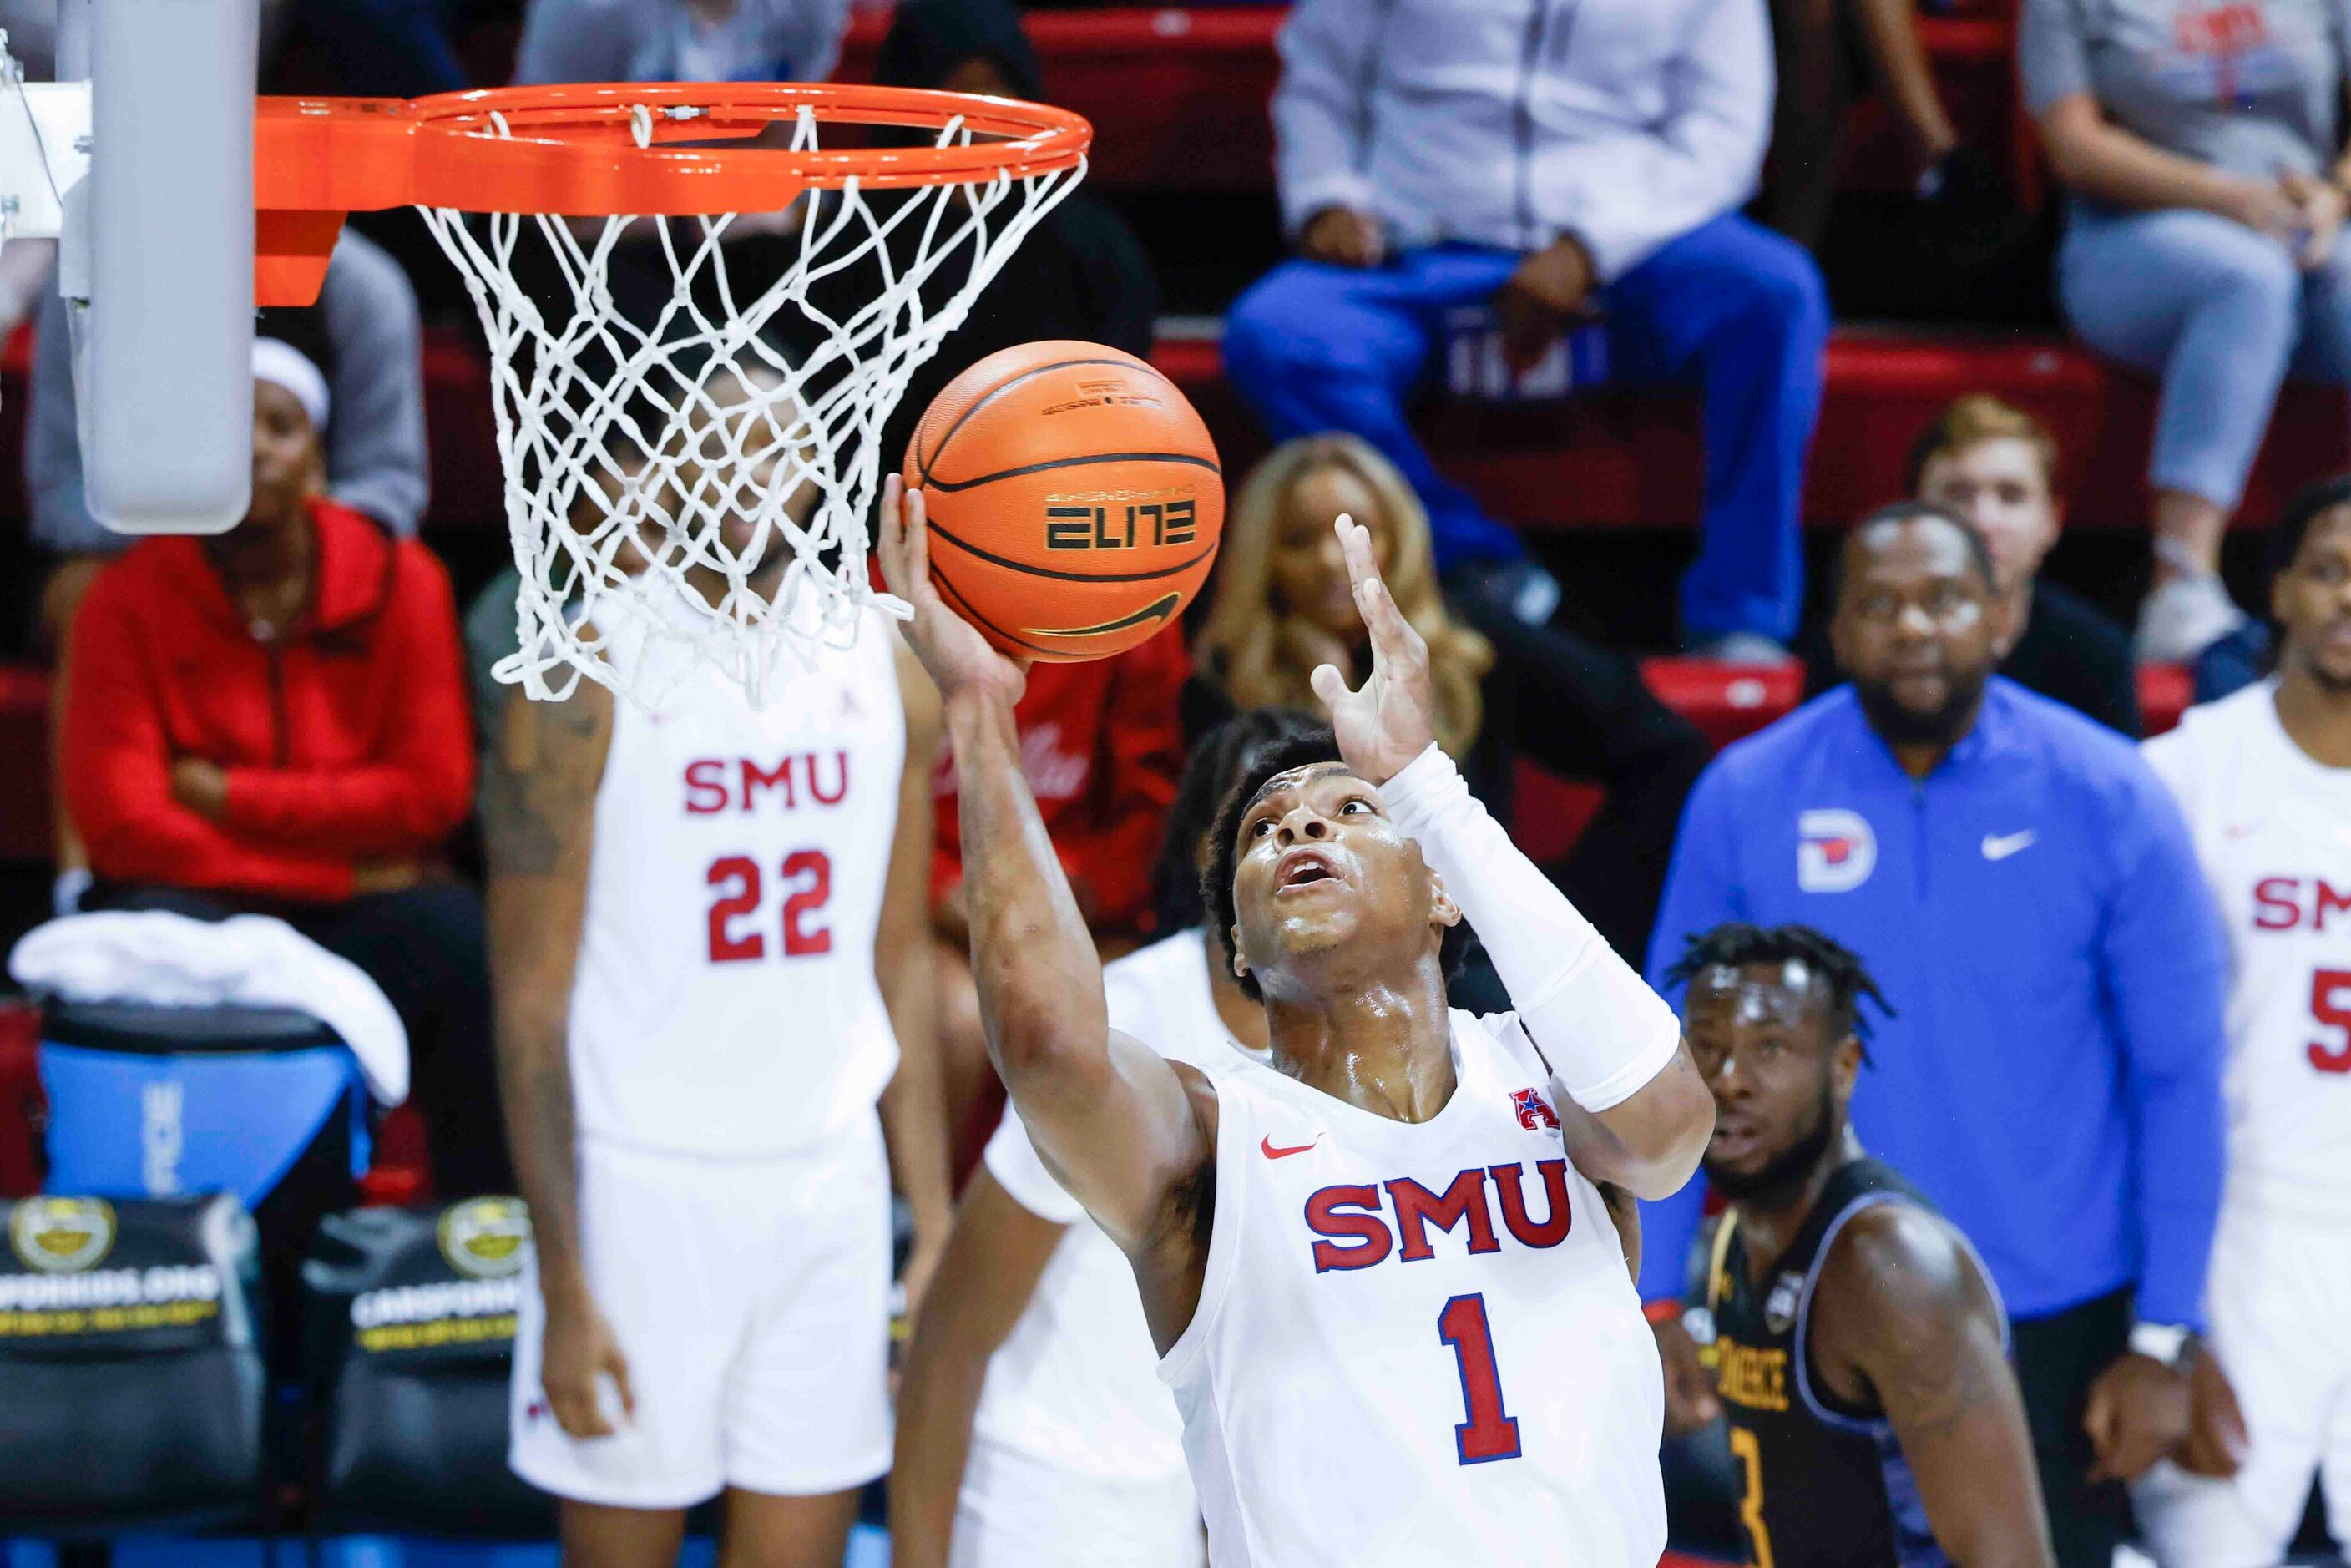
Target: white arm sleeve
x=1604 y=1031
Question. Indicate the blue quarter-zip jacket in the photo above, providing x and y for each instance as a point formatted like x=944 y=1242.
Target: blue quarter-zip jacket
x=2033 y=911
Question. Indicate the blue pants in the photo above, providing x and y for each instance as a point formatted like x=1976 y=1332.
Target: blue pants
x=1730 y=308
x=2221 y=313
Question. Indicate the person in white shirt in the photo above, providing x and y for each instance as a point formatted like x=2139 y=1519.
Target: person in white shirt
x=1032 y=1429
x=708 y=933
x=1538 y=166
x=2263 y=776
x=1395 y=1316
x=680 y=40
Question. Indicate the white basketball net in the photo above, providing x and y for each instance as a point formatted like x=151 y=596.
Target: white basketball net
x=654 y=469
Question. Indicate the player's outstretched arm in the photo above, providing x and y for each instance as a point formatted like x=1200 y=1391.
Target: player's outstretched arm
x=539 y=805
x=995 y=1256
x=1613 y=1045
x=913 y=1110
x=1902 y=1311
x=1113 y=1120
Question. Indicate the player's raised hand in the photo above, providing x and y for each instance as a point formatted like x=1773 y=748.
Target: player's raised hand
x=1391 y=719
x=958 y=658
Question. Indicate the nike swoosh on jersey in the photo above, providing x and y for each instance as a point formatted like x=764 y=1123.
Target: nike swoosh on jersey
x=1272 y=1153
x=2000 y=846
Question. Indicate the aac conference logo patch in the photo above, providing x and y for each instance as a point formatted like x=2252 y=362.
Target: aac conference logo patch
x=483 y=1238
x=61 y=1235
x=1835 y=851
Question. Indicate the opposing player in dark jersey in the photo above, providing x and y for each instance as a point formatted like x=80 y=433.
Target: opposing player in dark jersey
x=1859 y=1346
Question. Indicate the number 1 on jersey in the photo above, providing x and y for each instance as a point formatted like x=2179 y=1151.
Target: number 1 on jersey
x=1491 y=1432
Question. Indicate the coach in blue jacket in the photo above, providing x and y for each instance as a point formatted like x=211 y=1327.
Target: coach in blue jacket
x=2022 y=887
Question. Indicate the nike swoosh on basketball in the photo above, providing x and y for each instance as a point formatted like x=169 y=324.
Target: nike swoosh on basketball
x=2000 y=846
x=1272 y=1153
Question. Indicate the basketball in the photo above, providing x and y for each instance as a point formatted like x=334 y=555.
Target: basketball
x=1074 y=499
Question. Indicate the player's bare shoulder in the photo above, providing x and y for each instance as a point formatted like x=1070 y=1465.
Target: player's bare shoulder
x=1899 y=1289
x=540 y=773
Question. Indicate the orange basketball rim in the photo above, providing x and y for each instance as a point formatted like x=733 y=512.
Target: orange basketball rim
x=659 y=149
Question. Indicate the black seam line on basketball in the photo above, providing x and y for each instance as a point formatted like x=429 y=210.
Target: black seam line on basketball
x=972 y=614
x=996 y=392
x=1029 y=571
x=951 y=486
x=1158 y=610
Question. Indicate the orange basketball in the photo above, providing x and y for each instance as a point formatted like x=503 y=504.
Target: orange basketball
x=1074 y=499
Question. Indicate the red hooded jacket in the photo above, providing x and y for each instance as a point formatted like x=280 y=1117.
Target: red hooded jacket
x=345 y=742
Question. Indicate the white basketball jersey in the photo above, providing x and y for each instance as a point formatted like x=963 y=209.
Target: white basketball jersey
x=2273 y=829
x=1416 y=1345
x=725 y=1002
x=1075 y=1385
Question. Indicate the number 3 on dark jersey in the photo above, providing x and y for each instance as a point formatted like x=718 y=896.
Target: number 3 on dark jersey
x=1491 y=1432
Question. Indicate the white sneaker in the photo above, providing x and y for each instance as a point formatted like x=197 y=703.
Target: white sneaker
x=2184 y=616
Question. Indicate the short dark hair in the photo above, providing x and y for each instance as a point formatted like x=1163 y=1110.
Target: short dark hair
x=1735 y=943
x=1259 y=768
x=1209 y=772
x=1979 y=553
x=2310 y=503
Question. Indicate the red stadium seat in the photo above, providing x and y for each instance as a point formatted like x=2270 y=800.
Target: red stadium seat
x=24 y=831
x=21 y=1103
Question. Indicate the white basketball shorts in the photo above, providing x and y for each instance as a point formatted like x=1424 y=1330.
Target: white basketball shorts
x=2280 y=1299
x=1018 y=1511
x=751 y=1298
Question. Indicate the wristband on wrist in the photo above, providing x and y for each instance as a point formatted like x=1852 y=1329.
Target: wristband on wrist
x=2165 y=1342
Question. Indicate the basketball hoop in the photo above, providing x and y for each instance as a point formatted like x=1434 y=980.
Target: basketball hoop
x=696 y=471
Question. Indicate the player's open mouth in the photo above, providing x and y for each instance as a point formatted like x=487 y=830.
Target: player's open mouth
x=1730 y=1140
x=1303 y=867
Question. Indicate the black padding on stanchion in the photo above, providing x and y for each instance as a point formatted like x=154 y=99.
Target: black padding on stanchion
x=131 y=1387
x=408 y=1335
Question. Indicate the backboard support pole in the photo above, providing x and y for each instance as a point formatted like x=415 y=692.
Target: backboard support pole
x=164 y=343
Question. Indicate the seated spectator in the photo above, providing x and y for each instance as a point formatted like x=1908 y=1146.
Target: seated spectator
x=1102 y=749
x=2201 y=151
x=679 y=40
x=371 y=349
x=1555 y=168
x=373 y=353
x=1280 y=604
x=1820 y=46
x=380 y=48
x=1996 y=467
x=272 y=720
x=2017 y=877
x=659 y=41
x=1079 y=274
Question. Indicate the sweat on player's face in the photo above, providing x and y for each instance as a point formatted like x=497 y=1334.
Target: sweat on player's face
x=1308 y=847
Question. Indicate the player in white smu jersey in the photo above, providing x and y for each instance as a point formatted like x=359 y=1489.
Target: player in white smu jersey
x=1033 y=1430
x=1396 y=1318
x=707 y=926
x=2264 y=778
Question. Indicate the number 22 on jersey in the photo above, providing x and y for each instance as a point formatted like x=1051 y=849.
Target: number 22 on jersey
x=806 y=877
